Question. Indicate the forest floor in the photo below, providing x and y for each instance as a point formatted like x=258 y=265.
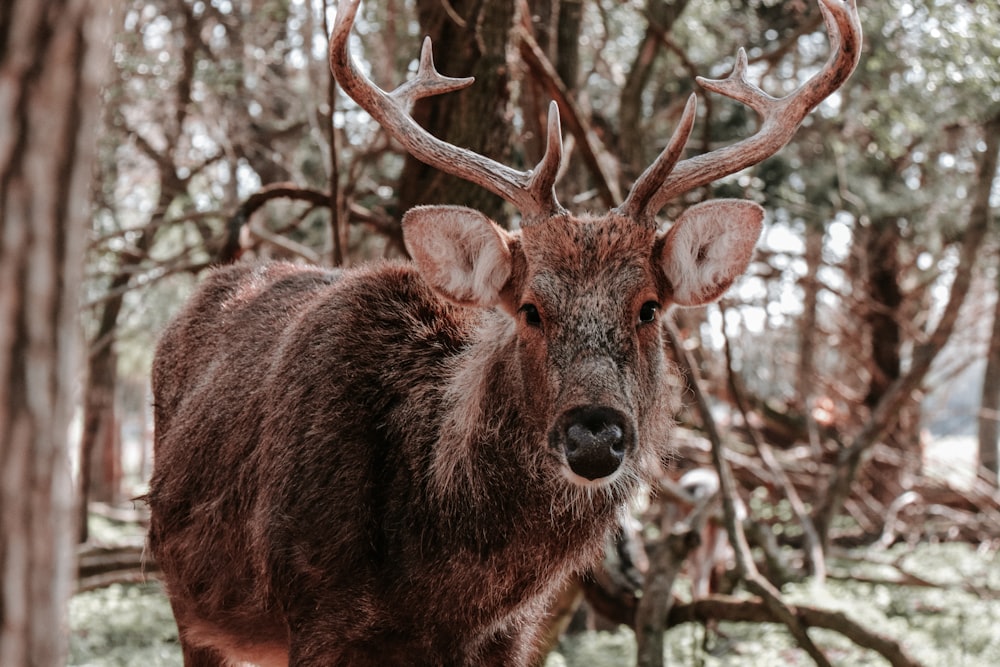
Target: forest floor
x=952 y=623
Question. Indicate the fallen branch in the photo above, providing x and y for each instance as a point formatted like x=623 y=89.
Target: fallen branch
x=101 y=565
x=724 y=608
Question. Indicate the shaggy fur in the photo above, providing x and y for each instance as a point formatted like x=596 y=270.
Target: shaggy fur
x=367 y=467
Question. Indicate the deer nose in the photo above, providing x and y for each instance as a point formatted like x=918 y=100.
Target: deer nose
x=595 y=440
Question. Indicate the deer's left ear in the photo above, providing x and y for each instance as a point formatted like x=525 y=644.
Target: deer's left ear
x=708 y=247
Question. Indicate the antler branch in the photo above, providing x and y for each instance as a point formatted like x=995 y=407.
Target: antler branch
x=667 y=178
x=532 y=192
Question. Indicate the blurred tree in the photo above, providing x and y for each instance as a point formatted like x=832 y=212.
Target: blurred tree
x=899 y=169
x=200 y=112
x=52 y=61
x=100 y=452
x=989 y=409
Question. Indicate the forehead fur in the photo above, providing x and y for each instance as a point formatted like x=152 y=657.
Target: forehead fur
x=609 y=251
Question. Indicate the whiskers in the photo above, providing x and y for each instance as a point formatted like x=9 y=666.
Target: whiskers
x=576 y=499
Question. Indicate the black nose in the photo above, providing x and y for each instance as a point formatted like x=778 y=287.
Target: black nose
x=595 y=440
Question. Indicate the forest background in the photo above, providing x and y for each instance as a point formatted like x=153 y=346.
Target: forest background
x=853 y=375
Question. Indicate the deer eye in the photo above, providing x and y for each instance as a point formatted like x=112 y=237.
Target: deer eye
x=648 y=311
x=531 y=315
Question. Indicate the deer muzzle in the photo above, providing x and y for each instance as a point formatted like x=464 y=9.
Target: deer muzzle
x=594 y=440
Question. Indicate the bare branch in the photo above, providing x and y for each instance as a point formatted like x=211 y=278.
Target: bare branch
x=731 y=609
x=229 y=249
x=543 y=69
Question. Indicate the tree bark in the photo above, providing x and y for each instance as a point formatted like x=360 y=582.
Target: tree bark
x=52 y=59
x=884 y=298
x=470 y=39
x=989 y=407
x=806 y=366
x=884 y=316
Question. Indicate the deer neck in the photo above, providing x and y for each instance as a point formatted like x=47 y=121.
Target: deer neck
x=485 y=413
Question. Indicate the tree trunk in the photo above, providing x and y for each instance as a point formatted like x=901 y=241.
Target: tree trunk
x=805 y=370
x=882 y=309
x=52 y=58
x=989 y=409
x=884 y=317
x=99 y=393
x=544 y=17
x=810 y=283
x=474 y=118
x=555 y=25
x=900 y=393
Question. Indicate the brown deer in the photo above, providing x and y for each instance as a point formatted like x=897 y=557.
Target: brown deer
x=400 y=463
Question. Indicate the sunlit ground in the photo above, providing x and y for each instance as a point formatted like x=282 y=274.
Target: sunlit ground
x=947 y=627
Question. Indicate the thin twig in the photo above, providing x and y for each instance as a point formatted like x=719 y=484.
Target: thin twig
x=814 y=546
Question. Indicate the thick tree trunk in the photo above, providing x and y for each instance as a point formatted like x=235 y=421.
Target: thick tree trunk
x=989 y=410
x=555 y=25
x=469 y=40
x=882 y=317
x=884 y=322
x=52 y=57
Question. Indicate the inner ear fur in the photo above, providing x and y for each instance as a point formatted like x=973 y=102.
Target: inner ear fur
x=461 y=253
x=709 y=246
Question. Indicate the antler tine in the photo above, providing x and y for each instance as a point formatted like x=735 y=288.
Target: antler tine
x=738 y=87
x=543 y=176
x=642 y=203
x=429 y=81
x=530 y=191
x=780 y=117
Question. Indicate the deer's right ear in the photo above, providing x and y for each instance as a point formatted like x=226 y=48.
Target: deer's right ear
x=460 y=252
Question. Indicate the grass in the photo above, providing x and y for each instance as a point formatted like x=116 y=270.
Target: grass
x=955 y=625
x=123 y=626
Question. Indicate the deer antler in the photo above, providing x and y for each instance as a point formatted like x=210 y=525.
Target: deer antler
x=667 y=178
x=532 y=192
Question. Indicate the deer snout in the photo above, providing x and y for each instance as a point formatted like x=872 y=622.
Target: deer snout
x=594 y=440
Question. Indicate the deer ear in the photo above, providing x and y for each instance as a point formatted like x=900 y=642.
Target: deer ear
x=708 y=247
x=460 y=252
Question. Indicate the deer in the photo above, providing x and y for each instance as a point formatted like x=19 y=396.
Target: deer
x=401 y=462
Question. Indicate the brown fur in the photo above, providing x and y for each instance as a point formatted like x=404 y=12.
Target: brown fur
x=352 y=469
